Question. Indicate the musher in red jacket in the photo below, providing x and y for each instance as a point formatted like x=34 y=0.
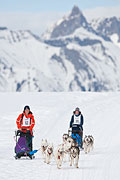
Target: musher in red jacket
x=25 y=123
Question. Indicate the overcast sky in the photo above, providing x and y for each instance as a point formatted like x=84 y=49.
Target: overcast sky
x=38 y=15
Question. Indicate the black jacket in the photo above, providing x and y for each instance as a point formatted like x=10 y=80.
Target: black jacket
x=81 y=122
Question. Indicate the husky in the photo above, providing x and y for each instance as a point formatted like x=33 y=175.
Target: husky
x=91 y=137
x=69 y=143
x=65 y=137
x=44 y=145
x=49 y=153
x=88 y=144
x=74 y=156
x=63 y=149
x=59 y=154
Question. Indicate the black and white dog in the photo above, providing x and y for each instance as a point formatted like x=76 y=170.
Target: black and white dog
x=88 y=143
x=73 y=151
x=74 y=156
x=65 y=137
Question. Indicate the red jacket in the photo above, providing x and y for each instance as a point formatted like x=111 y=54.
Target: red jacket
x=22 y=119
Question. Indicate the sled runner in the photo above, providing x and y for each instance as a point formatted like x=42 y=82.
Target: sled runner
x=23 y=146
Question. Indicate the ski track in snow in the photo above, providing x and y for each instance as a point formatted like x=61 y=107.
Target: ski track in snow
x=52 y=113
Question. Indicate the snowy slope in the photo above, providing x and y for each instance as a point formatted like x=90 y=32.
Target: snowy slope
x=52 y=113
x=24 y=65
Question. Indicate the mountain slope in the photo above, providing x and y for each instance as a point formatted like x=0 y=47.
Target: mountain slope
x=95 y=58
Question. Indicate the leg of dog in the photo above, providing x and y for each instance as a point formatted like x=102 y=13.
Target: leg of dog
x=64 y=157
x=69 y=157
x=58 y=160
x=47 y=158
x=76 y=161
x=71 y=161
x=86 y=150
x=89 y=149
x=43 y=156
x=50 y=157
x=59 y=163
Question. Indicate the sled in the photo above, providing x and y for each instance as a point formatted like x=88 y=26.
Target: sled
x=22 y=148
x=77 y=136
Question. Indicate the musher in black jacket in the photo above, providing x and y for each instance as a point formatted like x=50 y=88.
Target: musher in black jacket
x=76 y=123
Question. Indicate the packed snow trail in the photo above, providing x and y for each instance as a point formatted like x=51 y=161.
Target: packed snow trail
x=52 y=112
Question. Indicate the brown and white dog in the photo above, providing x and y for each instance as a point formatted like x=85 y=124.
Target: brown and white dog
x=49 y=153
x=88 y=143
x=44 y=145
x=59 y=154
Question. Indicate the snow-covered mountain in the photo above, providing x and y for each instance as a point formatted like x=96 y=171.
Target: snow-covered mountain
x=67 y=25
x=108 y=27
x=70 y=56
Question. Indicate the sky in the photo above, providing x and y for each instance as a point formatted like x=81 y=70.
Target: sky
x=52 y=5
x=38 y=15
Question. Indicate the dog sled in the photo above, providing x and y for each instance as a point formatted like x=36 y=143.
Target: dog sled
x=77 y=135
x=23 y=146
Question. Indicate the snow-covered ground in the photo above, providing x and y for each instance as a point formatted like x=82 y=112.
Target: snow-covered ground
x=52 y=112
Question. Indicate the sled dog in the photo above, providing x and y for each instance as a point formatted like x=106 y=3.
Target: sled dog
x=44 y=145
x=88 y=143
x=48 y=153
x=74 y=156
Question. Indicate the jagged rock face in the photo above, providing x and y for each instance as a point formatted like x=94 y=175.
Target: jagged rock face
x=107 y=26
x=76 y=56
x=70 y=24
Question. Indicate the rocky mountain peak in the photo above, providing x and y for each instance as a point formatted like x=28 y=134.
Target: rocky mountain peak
x=75 y=11
x=68 y=24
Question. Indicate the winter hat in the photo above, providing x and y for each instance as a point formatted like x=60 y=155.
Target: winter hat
x=77 y=109
x=26 y=107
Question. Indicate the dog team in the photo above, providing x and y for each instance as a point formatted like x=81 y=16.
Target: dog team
x=69 y=147
x=72 y=143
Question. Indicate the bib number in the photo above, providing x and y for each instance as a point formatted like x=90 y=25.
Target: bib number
x=26 y=122
x=77 y=120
